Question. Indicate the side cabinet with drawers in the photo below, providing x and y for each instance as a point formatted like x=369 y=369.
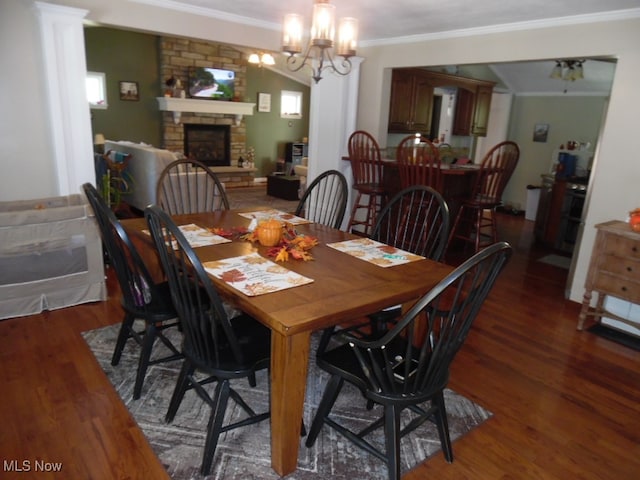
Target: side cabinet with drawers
x=614 y=270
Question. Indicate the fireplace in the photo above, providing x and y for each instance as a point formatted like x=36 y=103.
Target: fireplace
x=210 y=144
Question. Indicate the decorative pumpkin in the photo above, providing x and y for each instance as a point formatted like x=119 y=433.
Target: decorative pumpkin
x=634 y=220
x=269 y=232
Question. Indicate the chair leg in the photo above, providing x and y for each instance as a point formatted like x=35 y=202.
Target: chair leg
x=392 y=439
x=494 y=225
x=356 y=205
x=123 y=336
x=326 y=404
x=181 y=387
x=443 y=426
x=478 y=229
x=214 y=428
x=145 y=355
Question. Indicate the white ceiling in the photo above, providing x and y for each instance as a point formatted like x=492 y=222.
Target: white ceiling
x=384 y=22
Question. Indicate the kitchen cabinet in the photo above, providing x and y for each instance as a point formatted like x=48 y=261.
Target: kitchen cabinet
x=481 y=110
x=472 y=110
x=411 y=102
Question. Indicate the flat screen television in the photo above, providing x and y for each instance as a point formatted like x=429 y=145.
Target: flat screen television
x=211 y=83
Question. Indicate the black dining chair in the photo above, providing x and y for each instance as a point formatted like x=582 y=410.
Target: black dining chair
x=189 y=186
x=408 y=367
x=325 y=200
x=142 y=298
x=415 y=220
x=223 y=349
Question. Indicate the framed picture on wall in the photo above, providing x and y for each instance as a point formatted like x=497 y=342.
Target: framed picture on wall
x=264 y=102
x=129 y=91
x=540 y=132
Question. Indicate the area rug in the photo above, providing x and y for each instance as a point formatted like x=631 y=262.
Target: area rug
x=244 y=453
x=247 y=197
x=628 y=340
x=557 y=261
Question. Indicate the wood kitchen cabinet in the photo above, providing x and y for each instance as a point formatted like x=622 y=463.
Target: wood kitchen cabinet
x=411 y=102
x=614 y=270
x=472 y=110
x=411 y=105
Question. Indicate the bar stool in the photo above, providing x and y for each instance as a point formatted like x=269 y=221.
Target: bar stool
x=419 y=163
x=472 y=225
x=367 y=167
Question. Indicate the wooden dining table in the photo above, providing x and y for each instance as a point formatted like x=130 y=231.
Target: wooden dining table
x=344 y=288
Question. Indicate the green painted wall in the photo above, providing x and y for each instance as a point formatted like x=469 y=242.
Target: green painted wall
x=126 y=56
x=267 y=132
x=130 y=56
x=576 y=118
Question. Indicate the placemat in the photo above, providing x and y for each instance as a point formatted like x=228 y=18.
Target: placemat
x=375 y=252
x=198 y=236
x=254 y=275
x=261 y=215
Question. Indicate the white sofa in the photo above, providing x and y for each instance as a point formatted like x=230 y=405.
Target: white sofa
x=144 y=168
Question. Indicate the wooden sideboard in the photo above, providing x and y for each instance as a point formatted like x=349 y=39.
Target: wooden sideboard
x=614 y=270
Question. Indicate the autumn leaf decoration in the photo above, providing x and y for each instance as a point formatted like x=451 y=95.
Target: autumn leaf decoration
x=292 y=245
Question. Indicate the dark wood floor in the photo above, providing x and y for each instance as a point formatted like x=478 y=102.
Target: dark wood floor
x=566 y=404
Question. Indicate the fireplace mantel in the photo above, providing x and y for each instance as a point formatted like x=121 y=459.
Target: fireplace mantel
x=179 y=105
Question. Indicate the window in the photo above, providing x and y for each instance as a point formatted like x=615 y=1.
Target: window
x=290 y=104
x=96 y=90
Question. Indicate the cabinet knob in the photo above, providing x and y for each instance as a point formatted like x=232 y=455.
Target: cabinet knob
x=624 y=289
x=634 y=249
x=629 y=269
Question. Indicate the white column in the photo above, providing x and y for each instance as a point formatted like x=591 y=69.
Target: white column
x=333 y=110
x=64 y=72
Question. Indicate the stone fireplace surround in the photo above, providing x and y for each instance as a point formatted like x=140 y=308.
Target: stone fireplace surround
x=176 y=56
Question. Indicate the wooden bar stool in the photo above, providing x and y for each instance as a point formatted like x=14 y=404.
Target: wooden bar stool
x=419 y=163
x=475 y=222
x=367 y=167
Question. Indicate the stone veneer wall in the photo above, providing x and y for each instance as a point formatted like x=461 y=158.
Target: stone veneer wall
x=176 y=56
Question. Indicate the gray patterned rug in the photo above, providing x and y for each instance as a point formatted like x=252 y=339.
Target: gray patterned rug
x=244 y=453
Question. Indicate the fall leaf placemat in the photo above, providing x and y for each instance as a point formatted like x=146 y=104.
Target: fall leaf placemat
x=199 y=236
x=375 y=252
x=261 y=215
x=254 y=275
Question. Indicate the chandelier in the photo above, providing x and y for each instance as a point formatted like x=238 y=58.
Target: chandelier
x=568 y=70
x=320 y=54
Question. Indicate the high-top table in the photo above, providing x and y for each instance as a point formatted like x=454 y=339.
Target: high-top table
x=344 y=288
x=457 y=182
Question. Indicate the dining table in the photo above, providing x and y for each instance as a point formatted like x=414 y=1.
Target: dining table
x=344 y=286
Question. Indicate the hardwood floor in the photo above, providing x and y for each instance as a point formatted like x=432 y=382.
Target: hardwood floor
x=566 y=404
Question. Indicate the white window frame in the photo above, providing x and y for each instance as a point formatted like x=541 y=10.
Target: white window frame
x=290 y=100
x=96 y=86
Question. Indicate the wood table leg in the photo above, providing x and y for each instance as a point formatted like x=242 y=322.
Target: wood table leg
x=289 y=365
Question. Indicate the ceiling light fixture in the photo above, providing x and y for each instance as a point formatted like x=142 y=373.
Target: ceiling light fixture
x=262 y=59
x=568 y=70
x=320 y=52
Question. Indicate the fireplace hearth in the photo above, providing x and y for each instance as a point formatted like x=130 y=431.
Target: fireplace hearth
x=209 y=144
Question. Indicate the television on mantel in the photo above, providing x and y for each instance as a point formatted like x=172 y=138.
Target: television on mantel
x=211 y=83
